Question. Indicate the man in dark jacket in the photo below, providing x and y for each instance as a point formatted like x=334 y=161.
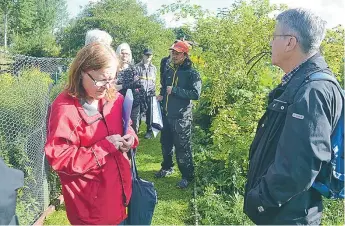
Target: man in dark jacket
x=180 y=84
x=147 y=74
x=11 y=180
x=164 y=65
x=292 y=140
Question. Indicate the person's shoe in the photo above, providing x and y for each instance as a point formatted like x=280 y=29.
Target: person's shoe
x=164 y=173
x=182 y=184
x=148 y=135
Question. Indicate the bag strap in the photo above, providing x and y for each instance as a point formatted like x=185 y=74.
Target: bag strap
x=134 y=165
x=123 y=188
x=324 y=76
x=300 y=82
x=327 y=77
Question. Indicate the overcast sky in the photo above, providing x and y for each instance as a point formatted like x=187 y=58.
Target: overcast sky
x=330 y=10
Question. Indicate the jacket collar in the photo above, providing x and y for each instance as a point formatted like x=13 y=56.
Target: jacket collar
x=314 y=64
x=95 y=115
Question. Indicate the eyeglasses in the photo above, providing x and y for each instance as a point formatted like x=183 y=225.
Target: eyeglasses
x=101 y=83
x=273 y=36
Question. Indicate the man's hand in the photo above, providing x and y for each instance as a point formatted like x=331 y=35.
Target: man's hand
x=116 y=140
x=128 y=141
x=169 y=89
x=159 y=98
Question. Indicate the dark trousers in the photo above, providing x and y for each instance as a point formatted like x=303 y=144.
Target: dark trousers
x=135 y=117
x=177 y=133
x=148 y=113
x=149 y=116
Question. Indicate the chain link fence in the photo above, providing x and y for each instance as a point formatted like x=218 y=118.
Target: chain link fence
x=17 y=63
x=24 y=101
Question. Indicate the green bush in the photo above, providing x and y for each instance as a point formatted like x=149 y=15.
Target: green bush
x=333 y=213
x=58 y=87
x=126 y=21
x=23 y=108
x=216 y=209
x=36 y=43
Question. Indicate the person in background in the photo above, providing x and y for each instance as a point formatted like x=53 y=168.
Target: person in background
x=147 y=72
x=293 y=137
x=180 y=85
x=128 y=78
x=85 y=141
x=165 y=61
x=97 y=35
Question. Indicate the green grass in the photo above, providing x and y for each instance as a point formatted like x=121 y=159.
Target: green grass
x=57 y=218
x=173 y=203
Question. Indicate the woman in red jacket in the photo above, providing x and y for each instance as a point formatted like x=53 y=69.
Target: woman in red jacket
x=85 y=141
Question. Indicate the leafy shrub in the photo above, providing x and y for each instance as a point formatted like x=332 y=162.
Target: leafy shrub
x=58 y=87
x=23 y=109
x=37 y=43
x=216 y=209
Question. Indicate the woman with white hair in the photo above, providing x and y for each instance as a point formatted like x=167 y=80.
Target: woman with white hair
x=97 y=35
x=128 y=78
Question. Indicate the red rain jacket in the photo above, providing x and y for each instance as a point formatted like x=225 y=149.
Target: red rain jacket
x=95 y=176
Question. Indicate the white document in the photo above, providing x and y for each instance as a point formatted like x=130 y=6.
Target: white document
x=157 y=121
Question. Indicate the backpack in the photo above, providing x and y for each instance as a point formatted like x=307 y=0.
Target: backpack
x=330 y=180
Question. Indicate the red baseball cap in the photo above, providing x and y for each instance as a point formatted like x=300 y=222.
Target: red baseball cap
x=181 y=47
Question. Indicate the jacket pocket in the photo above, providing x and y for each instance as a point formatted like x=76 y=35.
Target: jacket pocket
x=84 y=197
x=277 y=115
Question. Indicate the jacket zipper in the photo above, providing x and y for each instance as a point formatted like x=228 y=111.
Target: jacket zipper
x=173 y=83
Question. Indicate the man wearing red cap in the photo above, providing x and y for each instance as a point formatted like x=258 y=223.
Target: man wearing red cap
x=180 y=84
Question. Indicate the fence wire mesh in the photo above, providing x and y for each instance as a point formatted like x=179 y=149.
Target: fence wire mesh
x=24 y=101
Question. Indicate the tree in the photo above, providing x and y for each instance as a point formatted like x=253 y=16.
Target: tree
x=6 y=7
x=31 y=24
x=24 y=13
x=333 y=50
x=126 y=21
x=183 y=32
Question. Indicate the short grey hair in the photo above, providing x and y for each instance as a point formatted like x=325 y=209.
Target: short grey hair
x=308 y=28
x=122 y=47
x=97 y=35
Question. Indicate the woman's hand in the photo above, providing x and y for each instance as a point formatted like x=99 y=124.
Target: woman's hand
x=116 y=140
x=128 y=141
x=159 y=98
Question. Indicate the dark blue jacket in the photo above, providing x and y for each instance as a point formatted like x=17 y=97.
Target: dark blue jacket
x=292 y=142
x=11 y=180
x=186 y=83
